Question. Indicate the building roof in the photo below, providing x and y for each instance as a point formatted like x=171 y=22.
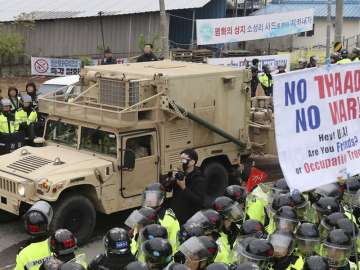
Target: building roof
x=351 y=7
x=60 y=9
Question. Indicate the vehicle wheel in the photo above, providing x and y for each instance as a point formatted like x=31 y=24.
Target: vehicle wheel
x=6 y=217
x=217 y=178
x=77 y=214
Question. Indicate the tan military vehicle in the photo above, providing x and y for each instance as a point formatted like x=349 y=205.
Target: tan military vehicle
x=124 y=131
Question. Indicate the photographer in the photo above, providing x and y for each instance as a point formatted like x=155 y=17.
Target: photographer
x=188 y=186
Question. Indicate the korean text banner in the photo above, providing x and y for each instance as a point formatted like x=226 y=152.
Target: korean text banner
x=242 y=62
x=226 y=30
x=317 y=124
x=54 y=66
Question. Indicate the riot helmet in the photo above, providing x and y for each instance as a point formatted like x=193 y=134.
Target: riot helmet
x=71 y=266
x=286 y=219
x=251 y=228
x=6 y=104
x=153 y=196
x=307 y=239
x=26 y=101
x=63 y=243
x=246 y=266
x=236 y=193
x=210 y=220
x=351 y=229
x=280 y=187
x=189 y=230
x=316 y=263
x=153 y=231
x=221 y=203
x=328 y=223
x=142 y=217
x=301 y=205
x=281 y=200
x=326 y=206
x=337 y=248
x=117 y=242
x=344 y=53
x=330 y=190
x=217 y=266
x=283 y=243
x=351 y=187
x=177 y=266
x=157 y=253
x=136 y=266
x=38 y=219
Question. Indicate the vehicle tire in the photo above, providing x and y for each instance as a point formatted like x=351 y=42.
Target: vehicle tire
x=6 y=217
x=77 y=214
x=217 y=179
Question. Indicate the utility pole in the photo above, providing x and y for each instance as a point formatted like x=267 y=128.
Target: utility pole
x=164 y=30
x=328 y=29
x=339 y=20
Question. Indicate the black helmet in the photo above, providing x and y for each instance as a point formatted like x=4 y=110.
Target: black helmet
x=330 y=190
x=298 y=199
x=283 y=243
x=38 y=219
x=337 y=248
x=246 y=266
x=153 y=195
x=351 y=187
x=189 y=230
x=236 y=193
x=117 y=241
x=144 y=216
x=217 y=266
x=344 y=53
x=51 y=264
x=62 y=242
x=153 y=231
x=281 y=200
x=326 y=206
x=210 y=220
x=136 y=266
x=348 y=226
x=280 y=187
x=71 y=266
x=316 y=263
x=221 y=203
x=177 y=266
x=307 y=239
x=286 y=219
x=251 y=228
x=258 y=251
x=328 y=223
x=157 y=253
x=211 y=248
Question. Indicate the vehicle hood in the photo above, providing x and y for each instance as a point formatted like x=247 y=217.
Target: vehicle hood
x=39 y=163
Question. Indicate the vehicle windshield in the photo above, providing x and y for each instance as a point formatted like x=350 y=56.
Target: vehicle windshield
x=48 y=88
x=62 y=133
x=98 y=141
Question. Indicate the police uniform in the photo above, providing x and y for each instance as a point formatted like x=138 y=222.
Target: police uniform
x=22 y=117
x=169 y=221
x=224 y=251
x=344 y=61
x=7 y=126
x=103 y=262
x=267 y=83
x=31 y=257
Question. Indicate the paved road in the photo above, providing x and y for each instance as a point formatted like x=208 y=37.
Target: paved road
x=12 y=234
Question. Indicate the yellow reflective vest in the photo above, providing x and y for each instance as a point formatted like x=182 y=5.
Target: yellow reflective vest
x=224 y=252
x=22 y=117
x=31 y=257
x=6 y=126
x=344 y=61
x=171 y=224
x=265 y=80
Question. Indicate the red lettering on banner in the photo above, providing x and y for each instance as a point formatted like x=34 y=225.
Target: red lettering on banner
x=217 y=31
x=338 y=86
x=357 y=80
x=348 y=84
x=320 y=82
x=344 y=110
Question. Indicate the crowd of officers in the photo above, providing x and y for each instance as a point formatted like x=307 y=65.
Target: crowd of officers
x=267 y=228
x=265 y=78
x=18 y=117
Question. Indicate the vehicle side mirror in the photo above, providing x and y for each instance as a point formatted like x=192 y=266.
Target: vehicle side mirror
x=129 y=160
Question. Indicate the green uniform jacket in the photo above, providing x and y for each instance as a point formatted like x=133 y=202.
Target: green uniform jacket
x=31 y=257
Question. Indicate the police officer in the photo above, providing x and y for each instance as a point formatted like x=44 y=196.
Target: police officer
x=154 y=197
x=344 y=57
x=25 y=115
x=251 y=228
x=187 y=231
x=51 y=264
x=283 y=244
x=37 y=250
x=253 y=250
x=117 y=251
x=302 y=206
x=356 y=54
x=324 y=207
x=7 y=121
x=352 y=230
x=210 y=221
x=149 y=232
x=246 y=266
x=266 y=80
x=328 y=223
x=237 y=193
x=286 y=219
x=256 y=203
x=337 y=249
x=316 y=263
x=63 y=245
x=157 y=253
x=71 y=266
x=280 y=187
x=279 y=201
x=136 y=266
x=217 y=266
x=176 y=266
x=197 y=252
x=281 y=68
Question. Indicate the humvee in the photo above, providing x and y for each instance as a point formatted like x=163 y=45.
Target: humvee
x=124 y=131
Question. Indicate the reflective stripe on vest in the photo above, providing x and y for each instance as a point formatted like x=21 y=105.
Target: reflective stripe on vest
x=5 y=125
x=265 y=80
x=31 y=257
x=171 y=224
x=224 y=253
x=344 y=61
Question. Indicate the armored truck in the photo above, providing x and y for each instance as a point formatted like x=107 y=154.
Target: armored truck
x=124 y=131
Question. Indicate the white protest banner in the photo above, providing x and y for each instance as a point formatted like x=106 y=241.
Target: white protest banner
x=54 y=66
x=317 y=124
x=242 y=62
x=225 y=30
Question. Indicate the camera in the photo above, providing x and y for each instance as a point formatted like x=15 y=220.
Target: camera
x=180 y=176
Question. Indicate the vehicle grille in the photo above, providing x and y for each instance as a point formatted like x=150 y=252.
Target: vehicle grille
x=29 y=164
x=7 y=185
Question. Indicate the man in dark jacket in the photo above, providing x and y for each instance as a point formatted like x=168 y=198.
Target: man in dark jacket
x=189 y=188
x=109 y=59
x=148 y=55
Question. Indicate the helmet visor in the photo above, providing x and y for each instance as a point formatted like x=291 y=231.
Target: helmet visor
x=198 y=218
x=284 y=224
x=80 y=259
x=337 y=256
x=153 y=198
x=303 y=210
x=239 y=256
x=236 y=213
x=193 y=249
x=283 y=244
x=134 y=219
x=44 y=208
x=308 y=247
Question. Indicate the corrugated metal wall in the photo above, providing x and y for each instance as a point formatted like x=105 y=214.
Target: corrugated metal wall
x=76 y=37
x=181 y=29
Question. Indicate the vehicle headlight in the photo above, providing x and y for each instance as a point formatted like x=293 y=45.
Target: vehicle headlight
x=21 y=190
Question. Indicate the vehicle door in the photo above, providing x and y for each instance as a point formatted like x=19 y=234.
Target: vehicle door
x=144 y=148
